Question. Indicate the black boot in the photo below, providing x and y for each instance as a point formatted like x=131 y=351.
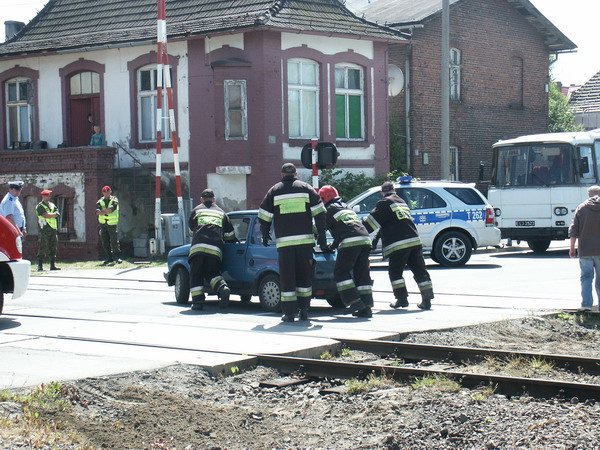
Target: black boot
x=53 y=266
x=400 y=303
x=40 y=266
x=365 y=312
x=356 y=306
x=223 y=297
x=288 y=318
x=198 y=302
x=425 y=304
x=303 y=314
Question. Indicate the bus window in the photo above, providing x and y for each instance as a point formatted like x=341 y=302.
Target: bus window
x=587 y=176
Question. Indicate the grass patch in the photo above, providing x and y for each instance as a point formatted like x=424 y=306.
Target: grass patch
x=519 y=366
x=437 y=382
x=326 y=355
x=346 y=352
x=373 y=382
x=37 y=425
x=88 y=265
x=482 y=393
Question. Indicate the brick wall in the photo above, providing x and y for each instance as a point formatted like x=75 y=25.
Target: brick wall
x=493 y=39
x=96 y=164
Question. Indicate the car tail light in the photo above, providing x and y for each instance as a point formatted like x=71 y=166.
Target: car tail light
x=489 y=217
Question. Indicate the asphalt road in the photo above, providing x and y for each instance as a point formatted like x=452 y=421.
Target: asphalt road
x=75 y=324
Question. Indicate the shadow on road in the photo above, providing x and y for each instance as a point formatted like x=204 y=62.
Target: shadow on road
x=6 y=323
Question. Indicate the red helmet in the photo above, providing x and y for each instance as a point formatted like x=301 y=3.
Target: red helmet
x=328 y=193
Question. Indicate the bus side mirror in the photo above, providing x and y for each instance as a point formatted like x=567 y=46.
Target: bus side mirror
x=481 y=169
x=584 y=165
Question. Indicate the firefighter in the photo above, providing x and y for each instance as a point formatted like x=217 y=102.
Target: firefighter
x=401 y=243
x=47 y=213
x=293 y=204
x=107 y=210
x=351 y=238
x=211 y=227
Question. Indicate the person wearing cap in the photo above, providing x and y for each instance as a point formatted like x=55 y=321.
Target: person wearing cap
x=352 y=272
x=107 y=210
x=293 y=204
x=401 y=244
x=47 y=214
x=12 y=209
x=211 y=228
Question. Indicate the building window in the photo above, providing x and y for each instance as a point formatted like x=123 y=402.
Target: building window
x=85 y=83
x=62 y=203
x=349 y=102
x=147 y=94
x=236 y=122
x=19 y=111
x=303 y=95
x=454 y=174
x=454 y=74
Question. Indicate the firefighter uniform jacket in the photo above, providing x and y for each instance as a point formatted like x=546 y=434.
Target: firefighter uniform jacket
x=345 y=226
x=211 y=228
x=293 y=203
x=398 y=231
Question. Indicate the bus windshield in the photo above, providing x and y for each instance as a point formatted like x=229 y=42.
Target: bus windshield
x=535 y=165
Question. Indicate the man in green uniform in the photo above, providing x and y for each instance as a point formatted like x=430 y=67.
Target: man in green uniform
x=107 y=210
x=47 y=214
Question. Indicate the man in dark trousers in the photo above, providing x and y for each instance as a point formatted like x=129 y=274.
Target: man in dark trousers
x=401 y=243
x=48 y=214
x=351 y=238
x=211 y=227
x=107 y=210
x=293 y=204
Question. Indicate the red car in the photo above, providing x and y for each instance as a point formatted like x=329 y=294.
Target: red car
x=14 y=271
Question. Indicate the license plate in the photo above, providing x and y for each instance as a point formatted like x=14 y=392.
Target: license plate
x=525 y=223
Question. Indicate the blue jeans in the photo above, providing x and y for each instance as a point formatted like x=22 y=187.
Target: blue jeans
x=588 y=265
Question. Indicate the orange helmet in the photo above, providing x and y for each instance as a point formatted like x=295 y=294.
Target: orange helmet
x=328 y=193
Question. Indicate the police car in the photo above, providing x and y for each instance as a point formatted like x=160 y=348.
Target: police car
x=452 y=218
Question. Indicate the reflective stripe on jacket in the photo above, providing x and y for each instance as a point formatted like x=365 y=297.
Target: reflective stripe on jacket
x=111 y=218
x=52 y=222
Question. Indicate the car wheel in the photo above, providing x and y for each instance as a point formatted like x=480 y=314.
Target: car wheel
x=433 y=257
x=452 y=249
x=335 y=302
x=245 y=298
x=539 y=246
x=269 y=293
x=182 y=286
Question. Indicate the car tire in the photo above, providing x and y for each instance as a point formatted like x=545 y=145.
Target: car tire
x=245 y=298
x=539 y=246
x=452 y=249
x=335 y=302
x=182 y=285
x=269 y=293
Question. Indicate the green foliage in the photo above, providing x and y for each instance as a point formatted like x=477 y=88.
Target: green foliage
x=326 y=355
x=372 y=382
x=397 y=147
x=560 y=117
x=350 y=184
x=436 y=382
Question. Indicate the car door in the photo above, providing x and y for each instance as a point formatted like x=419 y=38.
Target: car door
x=235 y=254
x=428 y=210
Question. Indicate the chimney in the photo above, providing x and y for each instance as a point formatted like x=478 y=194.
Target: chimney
x=12 y=27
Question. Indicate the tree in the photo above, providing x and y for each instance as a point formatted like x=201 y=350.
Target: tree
x=560 y=117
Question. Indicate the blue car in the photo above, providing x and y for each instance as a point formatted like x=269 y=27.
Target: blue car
x=250 y=268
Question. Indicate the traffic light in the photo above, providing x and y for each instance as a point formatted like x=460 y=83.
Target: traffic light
x=327 y=155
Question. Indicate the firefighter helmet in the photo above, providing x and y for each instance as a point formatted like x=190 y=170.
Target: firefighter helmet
x=328 y=193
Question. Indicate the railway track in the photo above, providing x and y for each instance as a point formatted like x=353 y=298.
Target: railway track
x=331 y=369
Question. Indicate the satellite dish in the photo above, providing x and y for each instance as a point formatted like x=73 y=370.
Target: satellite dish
x=395 y=80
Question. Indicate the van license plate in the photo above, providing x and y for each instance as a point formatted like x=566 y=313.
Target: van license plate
x=525 y=223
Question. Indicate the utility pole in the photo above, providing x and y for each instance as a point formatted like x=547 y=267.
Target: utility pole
x=445 y=94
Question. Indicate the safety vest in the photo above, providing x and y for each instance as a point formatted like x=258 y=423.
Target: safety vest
x=51 y=221
x=111 y=218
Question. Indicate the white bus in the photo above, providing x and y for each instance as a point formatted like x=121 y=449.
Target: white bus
x=539 y=180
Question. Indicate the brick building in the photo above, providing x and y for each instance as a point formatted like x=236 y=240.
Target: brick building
x=499 y=56
x=254 y=81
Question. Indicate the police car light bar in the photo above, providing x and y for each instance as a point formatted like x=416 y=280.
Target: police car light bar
x=404 y=179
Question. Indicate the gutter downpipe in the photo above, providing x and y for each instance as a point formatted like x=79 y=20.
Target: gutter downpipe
x=407 y=92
